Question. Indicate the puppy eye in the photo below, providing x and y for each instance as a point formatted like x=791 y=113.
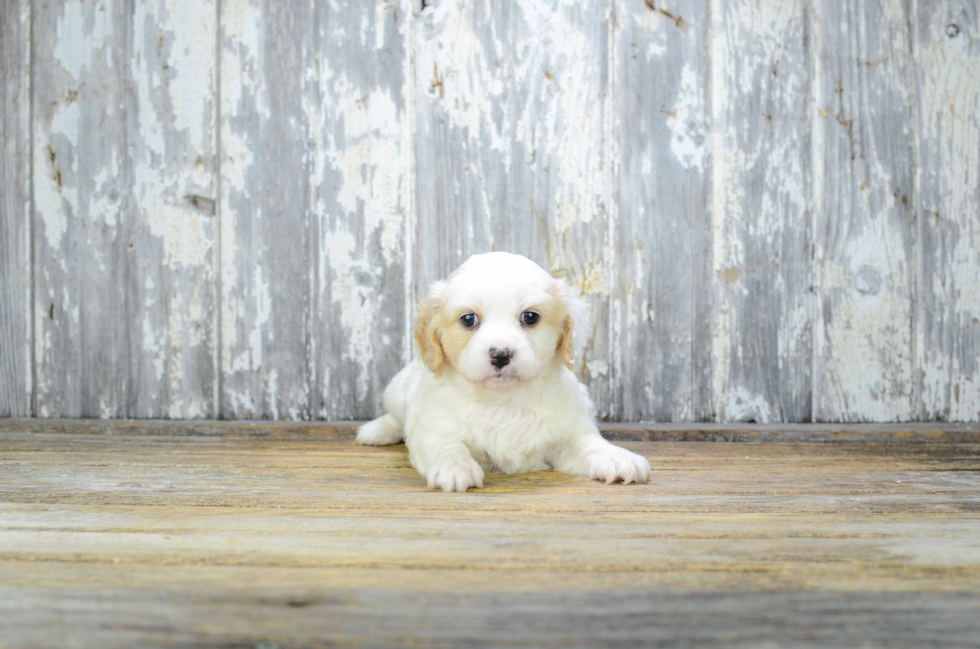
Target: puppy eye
x=529 y=318
x=470 y=320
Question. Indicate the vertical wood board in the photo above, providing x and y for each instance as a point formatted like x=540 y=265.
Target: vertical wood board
x=761 y=335
x=948 y=314
x=267 y=253
x=662 y=264
x=863 y=123
x=16 y=382
x=122 y=151
x=361 y=184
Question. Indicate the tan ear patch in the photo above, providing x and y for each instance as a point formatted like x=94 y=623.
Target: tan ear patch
x=427 y=336
x=563 y=302
x=565 y=342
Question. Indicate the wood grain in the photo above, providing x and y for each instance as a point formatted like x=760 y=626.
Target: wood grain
x=175 y=535
x=761 y=330
x=511 y=106
x=948 y=308
x=16 y=382
x=362 y=197
x=864 y=208
x=315 y=182
x=123 y=188
x=904 y=433
x=229 y=209
x=267 y=252
x=662 y=301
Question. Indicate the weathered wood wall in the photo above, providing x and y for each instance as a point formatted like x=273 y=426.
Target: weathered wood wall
x=228 y=208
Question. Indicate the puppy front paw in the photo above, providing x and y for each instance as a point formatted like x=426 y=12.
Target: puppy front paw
x=619 y=465
x=454 y=475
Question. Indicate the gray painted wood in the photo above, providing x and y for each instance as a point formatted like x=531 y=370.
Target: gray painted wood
x=267 y=249
x=362 y=193
x=123 y=189
x=948 y=287
x=773 y=210
x=316 y=189
x=761 y=333
x=921 y=434
x=512 y=133
x=662 y=299
x=863 y=184
x=15 y=216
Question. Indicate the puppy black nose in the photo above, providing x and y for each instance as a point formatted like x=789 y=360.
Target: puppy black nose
x=499 y=357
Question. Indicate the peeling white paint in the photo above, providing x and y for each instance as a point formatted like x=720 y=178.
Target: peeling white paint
x=370 y=164
x=688 y=120
x=522 y=93
x=597 y=368
x=741 y=405
x=949 y=154
x=191 y=26
x=559 y=123
x=754 y=148
x=186 y=242
x=55 y=196
x=863 y=341
x=355 y=300
x=77 y=28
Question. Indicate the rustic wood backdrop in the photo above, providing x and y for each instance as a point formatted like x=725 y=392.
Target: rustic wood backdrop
x=228 y=208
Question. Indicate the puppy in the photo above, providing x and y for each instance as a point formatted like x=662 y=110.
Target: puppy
x=493 y=389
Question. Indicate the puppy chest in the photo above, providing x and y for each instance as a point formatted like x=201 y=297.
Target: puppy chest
x=512 y=447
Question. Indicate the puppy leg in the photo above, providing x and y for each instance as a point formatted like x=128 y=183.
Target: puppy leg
x=388 y=429
x=445 y=463
x=382 y=431
x=593 y=456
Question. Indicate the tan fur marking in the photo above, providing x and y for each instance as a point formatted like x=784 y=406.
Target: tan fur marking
x=427 y=336
x=565 y=342
x=453 y=335
x=560 y=290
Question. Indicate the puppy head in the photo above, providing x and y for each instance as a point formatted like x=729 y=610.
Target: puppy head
x=500 y=320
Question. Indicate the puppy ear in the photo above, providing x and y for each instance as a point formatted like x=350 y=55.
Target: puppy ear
x=576 y=330
x=426 y=336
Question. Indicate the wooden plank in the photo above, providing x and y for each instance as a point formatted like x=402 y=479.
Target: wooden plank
x=16 y=382
x=318 y=539
x=320 y=615
x=948 y=287
x=123 y=188
x=511 y=133
x=283 y=432
x=331 y=474
x=761 y=340
x=361 y=198
x=174 y=539
x=662 y=297
x=268 y=254
x=864 y=203
x=279 y=585
x=174 y=191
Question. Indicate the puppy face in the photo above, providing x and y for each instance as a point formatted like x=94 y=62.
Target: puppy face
x=499 y=320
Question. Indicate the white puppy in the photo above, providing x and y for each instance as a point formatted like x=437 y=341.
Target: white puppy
x=492 y=390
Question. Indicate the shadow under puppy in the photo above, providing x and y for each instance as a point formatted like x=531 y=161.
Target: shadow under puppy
x=493 y=389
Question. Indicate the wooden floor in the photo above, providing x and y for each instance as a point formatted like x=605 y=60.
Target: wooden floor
x=234 y=535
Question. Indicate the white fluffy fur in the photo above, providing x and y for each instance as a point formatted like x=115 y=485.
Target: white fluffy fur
x=460 y=416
